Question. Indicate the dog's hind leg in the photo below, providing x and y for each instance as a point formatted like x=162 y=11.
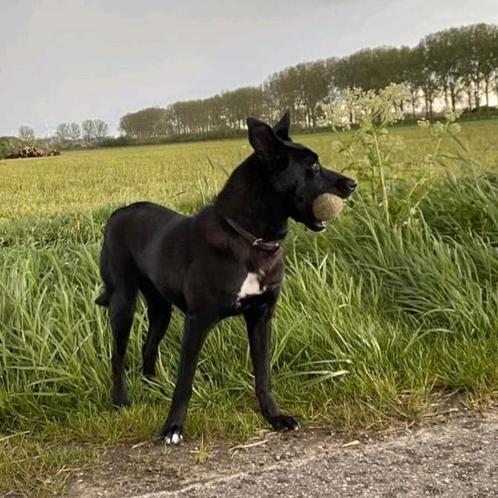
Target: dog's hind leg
x=159 y=314
x=105 y=272
x=121 y=309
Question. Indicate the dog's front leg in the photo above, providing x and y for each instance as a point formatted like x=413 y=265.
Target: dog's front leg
x=259 y=330
x=196 y=330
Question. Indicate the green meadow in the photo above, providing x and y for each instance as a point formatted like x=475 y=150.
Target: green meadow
x=380 y=320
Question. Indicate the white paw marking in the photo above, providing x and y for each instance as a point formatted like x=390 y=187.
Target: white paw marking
x=251 y=286
x=175 y=438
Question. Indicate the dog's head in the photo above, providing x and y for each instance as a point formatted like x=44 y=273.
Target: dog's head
x=294 y=170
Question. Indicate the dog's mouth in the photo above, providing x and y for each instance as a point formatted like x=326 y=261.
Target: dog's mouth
x=319 y=226
x=316 y=225
x=309 y=219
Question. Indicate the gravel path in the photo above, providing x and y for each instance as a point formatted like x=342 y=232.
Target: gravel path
x=458 y=458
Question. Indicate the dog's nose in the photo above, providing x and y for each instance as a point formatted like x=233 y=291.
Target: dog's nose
x=349 y=185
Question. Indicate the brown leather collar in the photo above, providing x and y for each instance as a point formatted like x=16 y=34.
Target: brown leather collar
x=269 y=246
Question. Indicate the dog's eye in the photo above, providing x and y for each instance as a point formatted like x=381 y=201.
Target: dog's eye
x=316 y=167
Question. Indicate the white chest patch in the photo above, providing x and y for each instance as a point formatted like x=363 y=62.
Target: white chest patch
x=251 y=286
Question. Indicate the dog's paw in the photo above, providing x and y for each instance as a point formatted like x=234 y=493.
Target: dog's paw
x=172 y=435
x=284 y=423
x=120 y=401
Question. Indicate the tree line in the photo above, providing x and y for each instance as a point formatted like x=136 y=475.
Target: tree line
x=91 y=132
x=456 y=66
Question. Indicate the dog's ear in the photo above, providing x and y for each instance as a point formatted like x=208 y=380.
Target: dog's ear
x=262 y=138
x=281 y=129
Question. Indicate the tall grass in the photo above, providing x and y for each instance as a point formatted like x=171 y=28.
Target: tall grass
x=368 y=313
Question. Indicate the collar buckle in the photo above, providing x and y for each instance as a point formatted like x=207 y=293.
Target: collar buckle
x=258 y=242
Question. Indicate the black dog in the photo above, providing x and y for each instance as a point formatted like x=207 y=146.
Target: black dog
x=226 y=260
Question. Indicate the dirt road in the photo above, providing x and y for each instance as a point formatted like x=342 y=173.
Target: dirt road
x=455 y=458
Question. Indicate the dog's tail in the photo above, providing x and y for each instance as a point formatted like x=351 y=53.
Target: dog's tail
x=105 y=298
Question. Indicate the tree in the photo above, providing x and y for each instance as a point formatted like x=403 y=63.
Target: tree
x=313 y=89
x=147 y=123
x=478 y=62
x=88 y=131
x=26 y=133
x=494 y=59
x=94 y=130
x=412 y=75
x=444 y=53
x=74 y=132
x=213 y=107
x=333 y=91
x=427 y=76
x=101 y=129
x=283 y=90
x=241 y=103
x=63 y=133
x=485 y=37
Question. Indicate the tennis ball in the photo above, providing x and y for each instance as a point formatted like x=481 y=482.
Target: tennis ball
x=327 y=206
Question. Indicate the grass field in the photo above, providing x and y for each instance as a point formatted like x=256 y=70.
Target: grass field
x=378 y=320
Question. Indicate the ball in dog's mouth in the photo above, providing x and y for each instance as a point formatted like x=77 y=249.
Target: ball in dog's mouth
x=326 y=207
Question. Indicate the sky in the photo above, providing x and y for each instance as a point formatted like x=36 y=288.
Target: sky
x=70 y=60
